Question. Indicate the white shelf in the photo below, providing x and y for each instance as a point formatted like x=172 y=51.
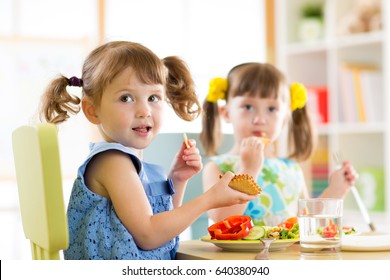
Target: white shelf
x=365 y=143
x=305 y=48
x=351 y=128
x=347 y=41
x=360 y=39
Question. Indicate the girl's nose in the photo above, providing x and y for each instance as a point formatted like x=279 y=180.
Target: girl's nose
x=143 y=111
x=258 y=119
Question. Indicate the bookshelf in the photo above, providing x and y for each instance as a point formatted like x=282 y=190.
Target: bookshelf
x=353 y=68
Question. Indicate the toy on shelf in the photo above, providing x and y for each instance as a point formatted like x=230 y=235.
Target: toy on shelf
x=365 y=16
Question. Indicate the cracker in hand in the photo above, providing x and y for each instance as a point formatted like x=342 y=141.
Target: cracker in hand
x=265 y=141
x=244 y=183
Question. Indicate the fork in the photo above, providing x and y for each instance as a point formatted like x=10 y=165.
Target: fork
x=338 y=160
x=264 y=254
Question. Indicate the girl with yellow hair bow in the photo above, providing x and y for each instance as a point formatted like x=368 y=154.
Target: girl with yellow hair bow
x=258 y=104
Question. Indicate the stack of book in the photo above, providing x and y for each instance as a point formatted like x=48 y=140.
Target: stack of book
x=318 y=103
x=320 y=169
x=361 y=93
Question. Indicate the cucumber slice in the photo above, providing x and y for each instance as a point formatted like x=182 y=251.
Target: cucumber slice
x=256 y=232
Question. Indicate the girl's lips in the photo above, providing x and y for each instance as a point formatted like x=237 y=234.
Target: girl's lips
x=142 y=130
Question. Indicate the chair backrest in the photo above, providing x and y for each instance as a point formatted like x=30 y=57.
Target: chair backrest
x=39 y=180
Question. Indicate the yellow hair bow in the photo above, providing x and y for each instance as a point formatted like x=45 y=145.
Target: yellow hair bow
x=298 y=94
x=217 y=90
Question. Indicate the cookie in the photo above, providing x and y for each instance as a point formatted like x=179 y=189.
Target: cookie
x=265 y=141
x=244 y=183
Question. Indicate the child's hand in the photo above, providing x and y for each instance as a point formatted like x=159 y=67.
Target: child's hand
x=187 y=162
x=222 y=195
x=252 y=156
x=341 y=181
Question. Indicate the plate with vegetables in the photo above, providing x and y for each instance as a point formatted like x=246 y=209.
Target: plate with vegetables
x=249 y=245
x=237 y=233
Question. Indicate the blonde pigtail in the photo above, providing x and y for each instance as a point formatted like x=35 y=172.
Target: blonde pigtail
x=181 y=89
x=211 y=135
x=301 y=136
x=56 y=103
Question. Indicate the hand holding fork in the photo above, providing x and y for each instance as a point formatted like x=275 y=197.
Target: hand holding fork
x=338 y=159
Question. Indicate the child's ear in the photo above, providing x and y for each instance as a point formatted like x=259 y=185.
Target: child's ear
x=224 y=113
x=89 y=110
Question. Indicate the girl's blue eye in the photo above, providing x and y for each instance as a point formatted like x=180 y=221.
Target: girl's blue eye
x=126 y=98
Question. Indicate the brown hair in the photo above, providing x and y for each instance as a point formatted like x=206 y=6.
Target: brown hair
x=105 y=62
x=262 y=80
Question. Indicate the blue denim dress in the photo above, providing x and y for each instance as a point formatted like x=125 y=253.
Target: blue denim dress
x=95 y=231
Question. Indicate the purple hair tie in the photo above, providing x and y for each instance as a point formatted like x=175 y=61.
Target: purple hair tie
x=75 y=82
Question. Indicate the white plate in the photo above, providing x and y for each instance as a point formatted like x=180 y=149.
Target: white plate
x=370 y=241
x=248 y=245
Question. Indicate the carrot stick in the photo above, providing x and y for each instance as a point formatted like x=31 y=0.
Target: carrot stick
x=186 y=140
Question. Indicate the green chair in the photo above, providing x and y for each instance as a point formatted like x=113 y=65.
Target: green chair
x=39 y=180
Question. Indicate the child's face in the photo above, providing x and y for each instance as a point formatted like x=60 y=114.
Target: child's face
x=131 y=112
x=254 y=116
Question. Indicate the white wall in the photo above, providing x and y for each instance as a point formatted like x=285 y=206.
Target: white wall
x=210 y=35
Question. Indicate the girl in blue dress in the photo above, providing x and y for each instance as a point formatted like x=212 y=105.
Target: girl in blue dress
x=120 y=206
x=258 y=103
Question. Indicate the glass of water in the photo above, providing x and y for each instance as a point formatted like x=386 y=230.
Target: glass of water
x=320 y=225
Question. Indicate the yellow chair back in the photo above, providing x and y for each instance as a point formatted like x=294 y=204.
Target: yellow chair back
x=39 y=180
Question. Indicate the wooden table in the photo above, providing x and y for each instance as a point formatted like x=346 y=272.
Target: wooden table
x=199 y=250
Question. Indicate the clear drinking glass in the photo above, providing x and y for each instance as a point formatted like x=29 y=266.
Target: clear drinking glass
x=320 y=225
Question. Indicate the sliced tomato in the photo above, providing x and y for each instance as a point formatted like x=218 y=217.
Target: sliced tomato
x=231 y=228
x=348 y=230
x=289 y=223
x=331 y=230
